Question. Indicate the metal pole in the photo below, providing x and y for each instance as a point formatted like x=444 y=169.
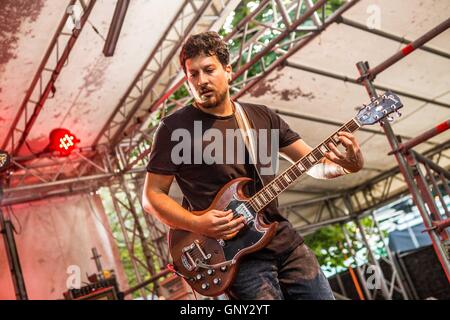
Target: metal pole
x=390 y=36
x=360 y=274
x=405 y=272
x=431 y=164
x=140 y=230
x=123 y=227
x=147 y=282
x=372 y=73
x=427 y=196
x=278 y=39
x=406 y=171
x=297 y=47
x=133 y=108
x=423 y=137
x=7 y=230
x=50 y=85
x=336 y=76
x=397 y=273
x=379 y=273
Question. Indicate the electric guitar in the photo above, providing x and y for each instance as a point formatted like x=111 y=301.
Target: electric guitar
x=210 y=265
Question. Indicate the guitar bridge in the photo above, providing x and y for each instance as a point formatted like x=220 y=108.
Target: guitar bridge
x=193 y=255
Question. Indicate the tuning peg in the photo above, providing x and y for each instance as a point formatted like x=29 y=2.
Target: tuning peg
x=390 y=119
x=398 y=113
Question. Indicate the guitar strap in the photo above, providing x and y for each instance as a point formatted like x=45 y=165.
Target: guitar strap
x=249 y=141
x=247 y=135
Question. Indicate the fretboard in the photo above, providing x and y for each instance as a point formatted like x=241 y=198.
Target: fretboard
x=269 y=192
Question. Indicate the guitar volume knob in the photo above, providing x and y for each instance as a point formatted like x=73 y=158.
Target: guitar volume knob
x=217 y=281
x=205 y=286
x=210 y=272
x=199 y=276
x=223 y=268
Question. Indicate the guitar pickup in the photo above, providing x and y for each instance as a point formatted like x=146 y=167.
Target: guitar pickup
x=245 y=212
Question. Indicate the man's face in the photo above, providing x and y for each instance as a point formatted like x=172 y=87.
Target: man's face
x=208 y=80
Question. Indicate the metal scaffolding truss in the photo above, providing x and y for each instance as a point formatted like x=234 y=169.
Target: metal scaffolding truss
x=375 y=193
x=161 y=68
x=117 y=162
x=408 y=161
x=143 y=236
x=33 y=179
x=371 y=276
x=291 y=24
x=43 y=83
x=346 y=207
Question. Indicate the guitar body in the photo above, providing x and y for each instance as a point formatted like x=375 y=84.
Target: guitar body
x=188 y=248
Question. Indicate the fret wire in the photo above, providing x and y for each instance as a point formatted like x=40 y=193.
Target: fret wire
x=275 y=182
x=257 y=200
x=289 y=171
x=319 y=152
x=272 y=190
x=294 y=172
x=324 y=146
x=263 y=196
x=350 y=125
x=345 y=128
x=286 y=177
x=330 y=140
x=355 y=125
x=275 y=185
x=311 y=155
x=306 y=163
x=280 y=183
x=297 y=171
x=281 y=179
x=277 y=191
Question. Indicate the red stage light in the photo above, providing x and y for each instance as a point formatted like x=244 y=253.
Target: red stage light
x=62 y=141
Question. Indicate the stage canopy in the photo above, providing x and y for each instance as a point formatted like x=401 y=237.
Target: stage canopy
x=91 y=85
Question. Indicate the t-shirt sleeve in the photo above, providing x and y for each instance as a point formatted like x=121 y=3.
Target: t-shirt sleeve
x=287 y=135
x=160 y=161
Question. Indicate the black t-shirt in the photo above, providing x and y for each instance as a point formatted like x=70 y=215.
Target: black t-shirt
x=201 y=177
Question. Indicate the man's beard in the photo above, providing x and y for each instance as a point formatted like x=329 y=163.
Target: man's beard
x=211 y=102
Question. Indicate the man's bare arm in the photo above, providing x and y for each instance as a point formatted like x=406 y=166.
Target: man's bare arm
x=335 y=163
x=214 y=223
x=155 y=196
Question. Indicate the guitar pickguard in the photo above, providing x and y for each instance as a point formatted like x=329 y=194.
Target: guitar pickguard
x=246 y=237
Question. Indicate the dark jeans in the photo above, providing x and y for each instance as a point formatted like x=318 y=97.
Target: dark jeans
x=295 y=275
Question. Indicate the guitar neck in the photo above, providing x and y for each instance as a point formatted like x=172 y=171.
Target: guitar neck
x=269 y=192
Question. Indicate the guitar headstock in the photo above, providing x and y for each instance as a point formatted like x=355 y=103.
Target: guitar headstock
x=379 y=109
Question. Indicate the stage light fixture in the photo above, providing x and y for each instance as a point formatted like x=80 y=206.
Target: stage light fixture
x=115 y=27
x=62 y=141
x=5 y=160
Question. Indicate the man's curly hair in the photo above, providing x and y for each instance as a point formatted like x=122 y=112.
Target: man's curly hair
x=206 y=43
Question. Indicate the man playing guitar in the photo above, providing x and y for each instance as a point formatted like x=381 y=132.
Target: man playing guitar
x=285 y=268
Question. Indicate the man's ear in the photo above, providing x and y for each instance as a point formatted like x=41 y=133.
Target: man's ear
x=229 y=72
